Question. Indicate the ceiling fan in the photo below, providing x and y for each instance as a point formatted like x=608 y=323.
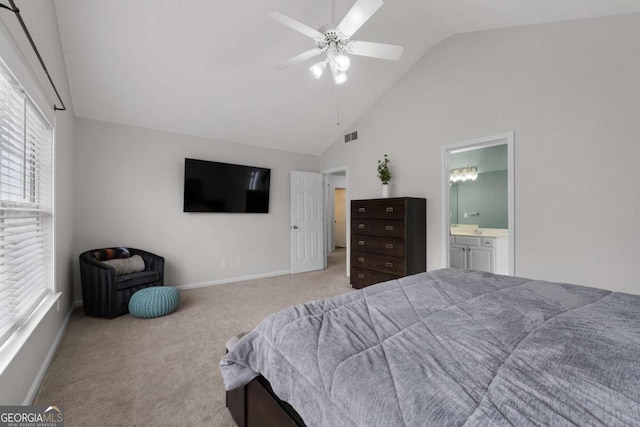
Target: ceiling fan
x=337 y=42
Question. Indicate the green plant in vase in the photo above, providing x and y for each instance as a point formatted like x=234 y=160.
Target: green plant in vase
x=384 y=174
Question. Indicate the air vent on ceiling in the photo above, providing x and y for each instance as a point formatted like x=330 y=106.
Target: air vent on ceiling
x=351 y=136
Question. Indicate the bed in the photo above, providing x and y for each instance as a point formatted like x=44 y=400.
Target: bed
x=448 y=347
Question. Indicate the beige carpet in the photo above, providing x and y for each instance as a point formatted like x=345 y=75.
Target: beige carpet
x=164 y=371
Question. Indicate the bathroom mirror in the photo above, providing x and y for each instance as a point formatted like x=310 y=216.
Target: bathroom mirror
x=480 y=194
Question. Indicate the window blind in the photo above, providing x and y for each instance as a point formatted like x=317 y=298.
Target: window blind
x=26 y=227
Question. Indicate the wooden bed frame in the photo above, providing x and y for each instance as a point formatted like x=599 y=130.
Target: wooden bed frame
x=256 y=405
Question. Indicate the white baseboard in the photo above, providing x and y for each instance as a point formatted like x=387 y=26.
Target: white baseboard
x=232 y=280
x=78 y=303
x=47 y=361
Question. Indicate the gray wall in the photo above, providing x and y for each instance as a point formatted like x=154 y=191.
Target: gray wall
x=487 y=195
x=571 y=93
x=129 y=192
x=19 y=376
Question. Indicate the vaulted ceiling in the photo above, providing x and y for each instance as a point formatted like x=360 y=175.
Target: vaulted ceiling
x=206 y=67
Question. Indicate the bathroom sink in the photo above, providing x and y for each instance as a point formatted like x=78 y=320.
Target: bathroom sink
x=488 y=232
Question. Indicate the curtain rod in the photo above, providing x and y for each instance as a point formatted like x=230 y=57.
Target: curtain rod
x=15 y=10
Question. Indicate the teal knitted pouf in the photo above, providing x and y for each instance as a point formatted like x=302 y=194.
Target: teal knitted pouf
x=154 y=301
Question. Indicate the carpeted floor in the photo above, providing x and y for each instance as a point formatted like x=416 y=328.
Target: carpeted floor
x=164 y=371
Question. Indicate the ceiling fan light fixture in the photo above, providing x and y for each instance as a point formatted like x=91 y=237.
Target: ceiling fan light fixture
x=336 y=41
x=317 y=69
x=342 y=62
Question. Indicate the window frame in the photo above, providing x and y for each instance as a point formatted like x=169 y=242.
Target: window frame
x=16 y=63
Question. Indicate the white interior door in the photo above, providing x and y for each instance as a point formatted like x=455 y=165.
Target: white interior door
x=307 y=223
x=341 y=217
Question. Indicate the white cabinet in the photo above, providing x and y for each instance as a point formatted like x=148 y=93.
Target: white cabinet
x=457 y=256
x=481 y=259
x=479 y=253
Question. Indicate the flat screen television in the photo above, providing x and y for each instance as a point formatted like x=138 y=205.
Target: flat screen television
x=223 y=187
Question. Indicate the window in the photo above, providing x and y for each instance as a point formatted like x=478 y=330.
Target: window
x=26 y=226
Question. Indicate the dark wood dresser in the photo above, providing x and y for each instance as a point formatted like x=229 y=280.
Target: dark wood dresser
x=388 y=239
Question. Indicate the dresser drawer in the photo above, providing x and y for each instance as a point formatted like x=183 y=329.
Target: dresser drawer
x=379 y=245
x=361 y=277
x=381 y=263
x=378 y=209
x=374 y=227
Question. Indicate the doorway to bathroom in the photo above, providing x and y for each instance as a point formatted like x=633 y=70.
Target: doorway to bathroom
x=478 y=230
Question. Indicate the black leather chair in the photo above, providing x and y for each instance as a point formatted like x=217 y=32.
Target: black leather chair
x=106 y=294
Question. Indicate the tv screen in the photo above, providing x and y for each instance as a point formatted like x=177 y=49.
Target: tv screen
x=223 y=187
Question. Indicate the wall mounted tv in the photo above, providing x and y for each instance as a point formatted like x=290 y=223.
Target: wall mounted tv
x=223 y=187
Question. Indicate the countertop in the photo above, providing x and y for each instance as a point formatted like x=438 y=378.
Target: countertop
x=479 y=232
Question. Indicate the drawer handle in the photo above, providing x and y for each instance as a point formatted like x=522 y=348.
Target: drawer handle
x=362 y=209
x=389 y=227
x=361 y=259
x=388 y=264
x=389 y=246
x=389 y=209
x=360 y=276
x=361 y=242
x=360 y=225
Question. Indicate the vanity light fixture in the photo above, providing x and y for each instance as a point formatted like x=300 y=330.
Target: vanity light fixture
x=468 y=173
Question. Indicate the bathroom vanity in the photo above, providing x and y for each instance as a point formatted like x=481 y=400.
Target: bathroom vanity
x=483 y=249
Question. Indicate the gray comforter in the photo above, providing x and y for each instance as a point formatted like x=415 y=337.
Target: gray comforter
x=452 y=347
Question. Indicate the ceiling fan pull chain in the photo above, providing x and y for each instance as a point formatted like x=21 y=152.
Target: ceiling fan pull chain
x=337 y=106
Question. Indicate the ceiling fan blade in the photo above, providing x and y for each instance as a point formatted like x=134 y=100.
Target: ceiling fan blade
x=296 y=25
x=390 y=52
x=360 y=13
x=299 y=58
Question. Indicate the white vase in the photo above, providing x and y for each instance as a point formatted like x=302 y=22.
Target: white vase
x=385 y=191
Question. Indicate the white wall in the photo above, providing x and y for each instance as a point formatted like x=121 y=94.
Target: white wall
x=19 y=379
x=130 y=193
x=571 y=92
